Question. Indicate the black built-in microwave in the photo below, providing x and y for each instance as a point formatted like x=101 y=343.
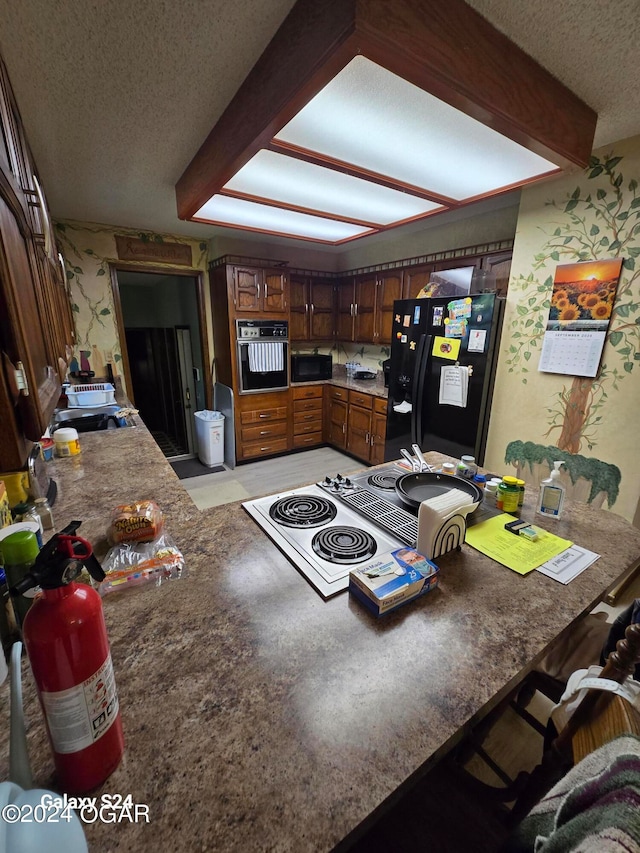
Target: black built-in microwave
x=310 y=368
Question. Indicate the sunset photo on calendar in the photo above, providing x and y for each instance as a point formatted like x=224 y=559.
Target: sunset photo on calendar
x=583 y=295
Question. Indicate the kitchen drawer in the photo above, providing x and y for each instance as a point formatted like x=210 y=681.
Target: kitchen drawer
x=357 y=398
x=264 y=431
x=307 y=439
x=264 y=448
x=278 y=413
x=314 y=404
x=309 y=425
x=308 y=392
x=380 y=405
x=338 y=393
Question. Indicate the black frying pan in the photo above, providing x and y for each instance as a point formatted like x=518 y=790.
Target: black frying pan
x=415 y=488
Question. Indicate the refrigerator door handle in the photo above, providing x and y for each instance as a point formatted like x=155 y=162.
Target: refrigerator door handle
x=422 y=363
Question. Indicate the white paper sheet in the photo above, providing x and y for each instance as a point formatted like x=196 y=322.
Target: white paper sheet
x=454 y=386
x=568 y=564
x=477 y=340
x=572 y=353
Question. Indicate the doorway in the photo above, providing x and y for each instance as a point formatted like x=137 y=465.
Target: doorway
x=164 y=351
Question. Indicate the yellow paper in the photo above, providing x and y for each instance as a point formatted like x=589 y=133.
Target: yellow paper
x=446 y=347
x=515 y=552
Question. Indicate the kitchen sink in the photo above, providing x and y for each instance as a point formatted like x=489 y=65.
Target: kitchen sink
x=91 y=419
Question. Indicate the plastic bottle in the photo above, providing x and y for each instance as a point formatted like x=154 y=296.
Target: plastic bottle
x=66 y=442
x=552 y=494
x=66 y=641
x=490 y=493
x=508 y=495
x=19 y=552
x=467 y=467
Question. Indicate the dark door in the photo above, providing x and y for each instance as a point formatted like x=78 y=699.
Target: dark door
x=154 y=364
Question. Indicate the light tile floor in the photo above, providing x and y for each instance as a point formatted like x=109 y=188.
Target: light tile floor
x=268 y=476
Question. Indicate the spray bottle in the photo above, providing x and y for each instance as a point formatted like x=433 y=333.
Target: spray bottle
x=66 y=641
x=552 y=493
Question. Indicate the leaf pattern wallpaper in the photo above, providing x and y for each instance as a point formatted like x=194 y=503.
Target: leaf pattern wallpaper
x=87 y=250
x=588 y=422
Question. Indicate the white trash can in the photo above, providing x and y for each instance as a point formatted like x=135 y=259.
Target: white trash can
x=210 y=435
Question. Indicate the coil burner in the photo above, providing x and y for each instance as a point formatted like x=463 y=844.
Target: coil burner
x=302 y=511
x=344 y=545
x=383 y=480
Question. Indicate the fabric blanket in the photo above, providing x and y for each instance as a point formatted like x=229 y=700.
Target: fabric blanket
x=595 y=808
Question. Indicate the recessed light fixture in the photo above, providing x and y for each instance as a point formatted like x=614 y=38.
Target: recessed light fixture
x=361 y=116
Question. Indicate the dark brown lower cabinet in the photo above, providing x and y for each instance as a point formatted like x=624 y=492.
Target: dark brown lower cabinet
x=337 y=406
x=307 y=416
x=359 y=425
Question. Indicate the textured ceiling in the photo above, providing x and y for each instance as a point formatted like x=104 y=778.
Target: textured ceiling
x=117 y=96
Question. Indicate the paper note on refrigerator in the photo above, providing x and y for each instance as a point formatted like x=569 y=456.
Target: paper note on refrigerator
x=454 y=386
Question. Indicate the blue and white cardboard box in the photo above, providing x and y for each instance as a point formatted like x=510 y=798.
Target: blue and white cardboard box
x=391 y=579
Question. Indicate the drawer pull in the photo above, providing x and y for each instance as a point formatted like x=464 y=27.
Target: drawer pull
x=262 y=449
x=264 y=415
x=265 y=432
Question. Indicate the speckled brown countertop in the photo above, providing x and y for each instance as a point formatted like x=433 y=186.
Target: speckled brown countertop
x=375 y=387
x=258 y=716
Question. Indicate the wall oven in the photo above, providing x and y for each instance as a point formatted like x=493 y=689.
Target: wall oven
x=263 y=355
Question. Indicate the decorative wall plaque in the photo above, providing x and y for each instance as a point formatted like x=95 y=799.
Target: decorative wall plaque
x=135 y=249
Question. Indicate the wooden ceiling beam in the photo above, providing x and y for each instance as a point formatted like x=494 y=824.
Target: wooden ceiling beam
x=442 y=46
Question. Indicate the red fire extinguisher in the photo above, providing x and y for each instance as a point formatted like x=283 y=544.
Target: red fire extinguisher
x=66 y=641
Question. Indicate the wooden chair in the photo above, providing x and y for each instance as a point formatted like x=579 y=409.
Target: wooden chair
x=600 y=717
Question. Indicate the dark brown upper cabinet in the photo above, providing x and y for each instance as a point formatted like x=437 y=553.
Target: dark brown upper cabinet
x=260 y=291
x=313 y=315
x=36 y=325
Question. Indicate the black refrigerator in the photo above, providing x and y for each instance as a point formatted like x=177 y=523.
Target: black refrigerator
x=443 y=358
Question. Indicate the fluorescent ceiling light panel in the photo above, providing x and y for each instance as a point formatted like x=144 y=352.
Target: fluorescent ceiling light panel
x=297 y=183
x=371 y=118
x=224 y=210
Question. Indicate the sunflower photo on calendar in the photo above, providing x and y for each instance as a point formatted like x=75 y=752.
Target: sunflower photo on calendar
x=583 y=295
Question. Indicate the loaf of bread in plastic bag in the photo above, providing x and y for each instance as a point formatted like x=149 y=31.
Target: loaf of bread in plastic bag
x=141 y=521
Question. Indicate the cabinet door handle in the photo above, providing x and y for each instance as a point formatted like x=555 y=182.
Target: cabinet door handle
x=344 y=427
x=371 y=440
x=258 y=289
x=368 y=438
x=356 y=311
x=351 y=309
x=306 y=308
x=312 y=308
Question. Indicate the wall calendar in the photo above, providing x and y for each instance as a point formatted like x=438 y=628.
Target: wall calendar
x=581 y=304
